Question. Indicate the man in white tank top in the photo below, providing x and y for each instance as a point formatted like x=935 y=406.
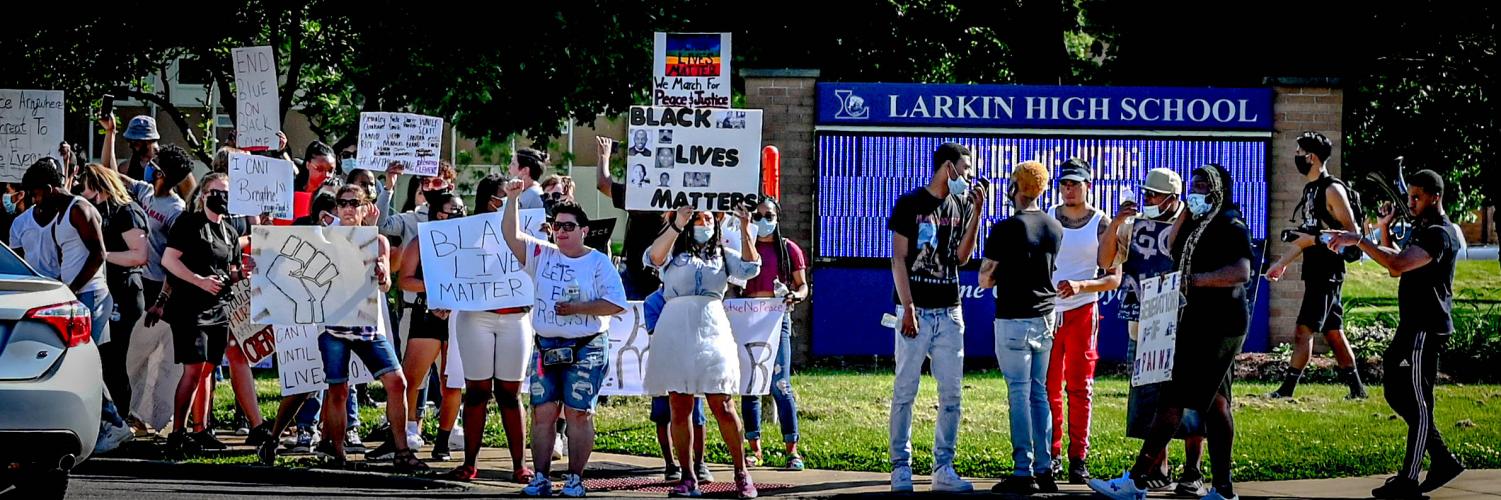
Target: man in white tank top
x=1079 y=281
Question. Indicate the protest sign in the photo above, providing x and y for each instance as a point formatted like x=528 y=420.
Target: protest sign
x=300 y=364
x=31 y=127
x=255 y=340
x=308 y=275
x=257 y=110
x=466 y=265
x=599 y=234
x=691 y=70
x=260 y=185
x=709 y=159
x=415 y=141
x=1157 y=336
x=755 y=323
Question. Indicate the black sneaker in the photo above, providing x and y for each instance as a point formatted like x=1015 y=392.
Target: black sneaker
x=325 y=449
x=1018 y=485
x=1440 y=473
x=1046 y=483
x=1157 y=482
x=266 y=452
x=180 y=442
x=386 y=451
x=1398 y=487
x=260 y=434
x=1057 y=467
x=207 y=442
x=672 y=473
x=1190 y=486
x=441 y=453
x=1078 y=472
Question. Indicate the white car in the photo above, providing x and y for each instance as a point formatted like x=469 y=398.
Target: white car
x=51 y=386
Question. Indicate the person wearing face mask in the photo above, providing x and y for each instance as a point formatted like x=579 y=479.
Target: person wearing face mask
x=693 y=350
x=1133 y=246
x=123 y=224
x=933 y=228
x=13 y=202
x=1212 y=249
x=1325 y=205
x=789 y=282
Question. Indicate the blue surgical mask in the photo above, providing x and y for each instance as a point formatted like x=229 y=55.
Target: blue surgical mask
x=765 y=227
x=702 y=234
x=1198 y=204
x=10 y=203
x=958 y=186
x=150 y=174
x=348 y=164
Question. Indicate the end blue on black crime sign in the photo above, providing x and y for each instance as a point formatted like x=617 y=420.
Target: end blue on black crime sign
x=954 y=105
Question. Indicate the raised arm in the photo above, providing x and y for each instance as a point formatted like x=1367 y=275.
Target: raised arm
x=602 y=178
x=978 y=196
x=661 y=249
x=107 y=157
x=510 y=225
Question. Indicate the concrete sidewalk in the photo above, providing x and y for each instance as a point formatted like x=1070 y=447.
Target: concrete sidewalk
x=615 y=475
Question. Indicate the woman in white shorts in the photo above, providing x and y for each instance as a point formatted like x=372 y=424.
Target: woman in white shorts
x=692 y=350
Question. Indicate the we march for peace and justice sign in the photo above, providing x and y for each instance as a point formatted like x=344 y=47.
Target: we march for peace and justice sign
x=691 y=70
x=709 y=159
x=31 y=126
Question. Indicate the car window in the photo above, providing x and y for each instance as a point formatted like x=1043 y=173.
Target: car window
x=12 y=264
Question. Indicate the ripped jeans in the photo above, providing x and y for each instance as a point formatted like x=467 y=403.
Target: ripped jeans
x=575 y=385
x=781 y=392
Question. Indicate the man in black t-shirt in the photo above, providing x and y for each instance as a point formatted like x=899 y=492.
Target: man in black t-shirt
x=1325 y=205
x=1424 y=302
x=1027 y=243
x=933 y=233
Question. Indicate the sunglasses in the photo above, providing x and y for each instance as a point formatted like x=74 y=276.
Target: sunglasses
x=350 y=202
x=766 y=217
x=566 y=226
x=555 y=196
x=346 y=155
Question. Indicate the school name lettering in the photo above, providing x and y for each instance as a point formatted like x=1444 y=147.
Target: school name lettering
x=1129 y=109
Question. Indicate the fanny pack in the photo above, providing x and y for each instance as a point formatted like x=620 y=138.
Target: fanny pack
x=565 y=355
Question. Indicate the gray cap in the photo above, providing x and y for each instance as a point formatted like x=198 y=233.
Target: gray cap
x=142 y=128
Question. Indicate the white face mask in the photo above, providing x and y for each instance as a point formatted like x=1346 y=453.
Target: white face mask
x=1152 y=211
x=765 y=227
x=957 y=186
x=702 y=234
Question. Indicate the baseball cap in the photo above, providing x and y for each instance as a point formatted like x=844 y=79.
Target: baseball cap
x=1163 y=181
x=1075 y=170
x=142 y=128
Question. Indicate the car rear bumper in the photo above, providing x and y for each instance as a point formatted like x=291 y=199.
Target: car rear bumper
x=56 y=414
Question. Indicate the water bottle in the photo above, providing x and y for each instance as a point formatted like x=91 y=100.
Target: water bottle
x=781 y=288
x=572 y=293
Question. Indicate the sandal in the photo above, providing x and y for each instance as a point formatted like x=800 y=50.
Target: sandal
x=406 y=461
x=795 y=463
x=463 y=473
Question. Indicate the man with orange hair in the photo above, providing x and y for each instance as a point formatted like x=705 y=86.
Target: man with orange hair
x=1028 y=243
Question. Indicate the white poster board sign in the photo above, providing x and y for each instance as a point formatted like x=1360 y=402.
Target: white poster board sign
x=756 y=324
x=706 y=158
x=300 y=364
x=416 y=141
x=629 y=344
x=691 y=70
x=307 y=275
x=1157 y=336
x=257 y=110
x=260 y=185
x=31 y=126
x=466 y=265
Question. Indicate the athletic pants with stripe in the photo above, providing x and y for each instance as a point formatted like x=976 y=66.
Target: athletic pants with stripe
x=1411 y=366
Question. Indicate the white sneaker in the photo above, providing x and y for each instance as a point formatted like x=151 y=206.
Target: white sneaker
x=901 y=478
x=456 y=438
x=946 y=480
x=414 y=436
x=559 y=447
x=539 y=487
x=1215 y=495
x=1121 y=488
x=111 y=437
x=574 y=486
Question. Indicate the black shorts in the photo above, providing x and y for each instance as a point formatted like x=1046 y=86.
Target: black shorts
x=426 y=326
x=1322 y=309
x=195 y=343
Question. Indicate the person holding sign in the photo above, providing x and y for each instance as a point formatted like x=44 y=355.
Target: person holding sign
x=428 y=336
x=789 y=282
x=577 y=291
x=1213 y=249
x=693 y=350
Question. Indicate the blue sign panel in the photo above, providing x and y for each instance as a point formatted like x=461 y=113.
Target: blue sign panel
x=850 y=323
x=1028 y=106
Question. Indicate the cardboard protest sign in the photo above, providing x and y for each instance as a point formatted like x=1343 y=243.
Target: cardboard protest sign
x=307 y=275
x=255 y=340
x=467 y=266
x=1157 y=338
x=416 y=141
x=260 y=185
x=755 y=323
x=599 y=234
x=691 y=70
x=300 y=364
x=31 y=126
x=706 y=158
x=257 y=110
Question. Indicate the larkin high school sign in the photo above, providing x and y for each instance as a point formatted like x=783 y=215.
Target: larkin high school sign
x=998 y=106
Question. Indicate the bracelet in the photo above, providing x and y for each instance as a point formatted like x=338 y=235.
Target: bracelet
x=674 y=226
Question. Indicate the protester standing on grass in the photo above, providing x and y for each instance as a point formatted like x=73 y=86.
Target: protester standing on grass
x=1136 y=248
x=1425 y=301
x=785 y=276
x=933 y=228
x=1212 y=247
x=1027 y=244
x=693 y=350
x=1325 y=205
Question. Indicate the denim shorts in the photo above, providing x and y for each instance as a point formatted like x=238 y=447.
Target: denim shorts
x=576 y=385
x=377 y=354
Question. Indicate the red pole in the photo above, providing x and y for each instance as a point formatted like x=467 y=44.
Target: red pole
x=771 y=172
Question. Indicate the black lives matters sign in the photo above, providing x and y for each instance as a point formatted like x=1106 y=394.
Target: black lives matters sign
x=709 y=159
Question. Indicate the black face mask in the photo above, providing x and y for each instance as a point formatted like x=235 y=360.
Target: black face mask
x=1302 y=163
x=217 y=203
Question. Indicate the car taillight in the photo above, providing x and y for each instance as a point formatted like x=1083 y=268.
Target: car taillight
x=71 y=320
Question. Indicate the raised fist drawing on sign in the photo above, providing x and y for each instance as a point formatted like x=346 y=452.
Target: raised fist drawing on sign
x=303 y=274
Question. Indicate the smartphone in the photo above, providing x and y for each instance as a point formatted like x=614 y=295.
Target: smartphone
x=106 y=106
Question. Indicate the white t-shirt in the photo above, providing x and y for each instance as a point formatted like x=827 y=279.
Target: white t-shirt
x=27 y=235
x=552 y=272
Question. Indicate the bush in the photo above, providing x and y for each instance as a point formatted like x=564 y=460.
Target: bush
x=1474 y=348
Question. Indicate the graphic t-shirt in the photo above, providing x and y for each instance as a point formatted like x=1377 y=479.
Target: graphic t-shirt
x=934 y=228
x=554 y=273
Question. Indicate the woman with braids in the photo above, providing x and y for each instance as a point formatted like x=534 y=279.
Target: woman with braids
x=788 y=282
x=1213 y=249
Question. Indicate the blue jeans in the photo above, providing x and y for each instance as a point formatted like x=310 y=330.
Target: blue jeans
x=661 y=411
x=940 y=337
x=101 y=305
x=781 y=392
x=307 y=417
x=575 y=385
x=377 y=354
x=1023 y=347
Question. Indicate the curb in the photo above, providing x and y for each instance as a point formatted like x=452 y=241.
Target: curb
x=286 y=476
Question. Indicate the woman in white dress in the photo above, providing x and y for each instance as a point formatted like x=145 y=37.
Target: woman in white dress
x=692 y=350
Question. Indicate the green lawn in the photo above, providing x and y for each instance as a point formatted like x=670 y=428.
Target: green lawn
x=1371 y=294
x=844 y=418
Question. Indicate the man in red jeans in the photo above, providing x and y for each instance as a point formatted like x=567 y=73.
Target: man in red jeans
x=1079 y=283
